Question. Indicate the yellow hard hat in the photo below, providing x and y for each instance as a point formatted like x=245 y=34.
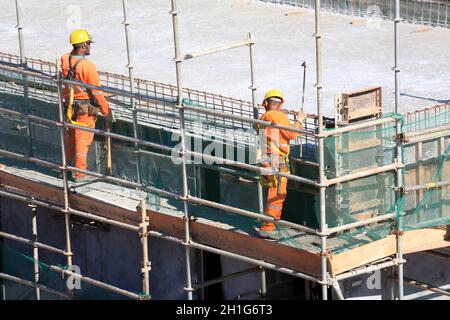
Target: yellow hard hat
x=79 y=36
x=274 y=93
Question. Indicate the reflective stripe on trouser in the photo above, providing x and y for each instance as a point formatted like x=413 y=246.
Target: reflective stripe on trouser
x=274 y=205
x=77 y=146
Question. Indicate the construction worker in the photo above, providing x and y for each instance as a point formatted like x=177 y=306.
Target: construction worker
x=82 y=104
x=275 y=156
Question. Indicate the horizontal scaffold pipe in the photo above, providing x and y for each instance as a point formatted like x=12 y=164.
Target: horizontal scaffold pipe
x=360 y=125
x=259 y=170
x=226 y=277
x=361 y=223
x=423 y=286
x=19 y=156
x=86 y=215
x=34 y=285
x=172 y=103
x=362 y=174
x=418 y=133
x=251 y=214
x=96 y=283
x=430 y=185
x=82 y=214
x=249 y=120
x=89 y=86
x=28 y=116
x=261 y=263
x=368 y=269
x=216 y=50
x=30 y=242
x=120 y=137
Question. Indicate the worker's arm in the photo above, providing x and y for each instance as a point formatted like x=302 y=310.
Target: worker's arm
x=94 y=79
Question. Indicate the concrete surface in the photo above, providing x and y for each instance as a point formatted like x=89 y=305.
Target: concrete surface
x=355 y=55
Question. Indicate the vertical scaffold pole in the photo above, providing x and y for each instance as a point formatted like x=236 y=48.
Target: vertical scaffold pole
x=399 y=143
x=178 y=59
x=253 y=88
x=130 y=66
x=35 y=248
x=23 y=61
x=62 y=130
x=323 y=222
x=23 y=64
x=143 y=233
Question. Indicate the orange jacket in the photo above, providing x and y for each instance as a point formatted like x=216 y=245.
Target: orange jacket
x=85 y=72
x=278 y=139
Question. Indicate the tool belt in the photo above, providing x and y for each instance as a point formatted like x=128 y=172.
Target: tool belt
x=277 y=163
x=79 y=108
x=83 y=107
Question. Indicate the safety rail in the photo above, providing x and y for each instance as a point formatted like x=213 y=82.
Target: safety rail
x=254 y=168
x=427 y=12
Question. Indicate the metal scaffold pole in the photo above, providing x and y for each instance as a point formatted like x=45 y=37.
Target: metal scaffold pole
x=143 y=234
x=23 y=61
x=323 y=222
x=23 y=64
x=62 y=131
x=253 y=88
x=35 y=248
x=130 y=66
x=178 y=59
x=399 y=154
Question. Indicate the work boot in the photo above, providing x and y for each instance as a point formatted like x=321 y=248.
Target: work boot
x=271 y=235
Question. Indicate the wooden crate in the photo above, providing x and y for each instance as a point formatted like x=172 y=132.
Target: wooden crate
x=359 y=104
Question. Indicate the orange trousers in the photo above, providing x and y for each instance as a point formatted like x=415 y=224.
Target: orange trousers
x=275 y=200
x=77 y=146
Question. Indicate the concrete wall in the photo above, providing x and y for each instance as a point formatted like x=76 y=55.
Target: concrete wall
x=110 y=255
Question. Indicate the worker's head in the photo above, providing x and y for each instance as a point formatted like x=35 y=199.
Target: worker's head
x=273 y=100
x=81 y=41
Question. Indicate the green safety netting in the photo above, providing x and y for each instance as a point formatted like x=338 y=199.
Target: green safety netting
x=17 y=263
x=345 y=154
x=428 y=165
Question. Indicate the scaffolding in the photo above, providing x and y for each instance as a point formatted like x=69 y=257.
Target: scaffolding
x=425 y=12
x=173 y=108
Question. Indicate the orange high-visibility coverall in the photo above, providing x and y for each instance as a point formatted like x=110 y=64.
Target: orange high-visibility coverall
x=277 y=149
x=79 y=141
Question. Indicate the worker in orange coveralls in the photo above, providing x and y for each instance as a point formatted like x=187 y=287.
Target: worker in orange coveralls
x=82 y=104
x=275 y=155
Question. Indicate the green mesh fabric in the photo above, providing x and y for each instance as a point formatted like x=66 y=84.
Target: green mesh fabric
x=427 y=164
x=20 y=264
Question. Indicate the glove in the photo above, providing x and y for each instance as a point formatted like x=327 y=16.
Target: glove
x=111 y=117
x=301 y=116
